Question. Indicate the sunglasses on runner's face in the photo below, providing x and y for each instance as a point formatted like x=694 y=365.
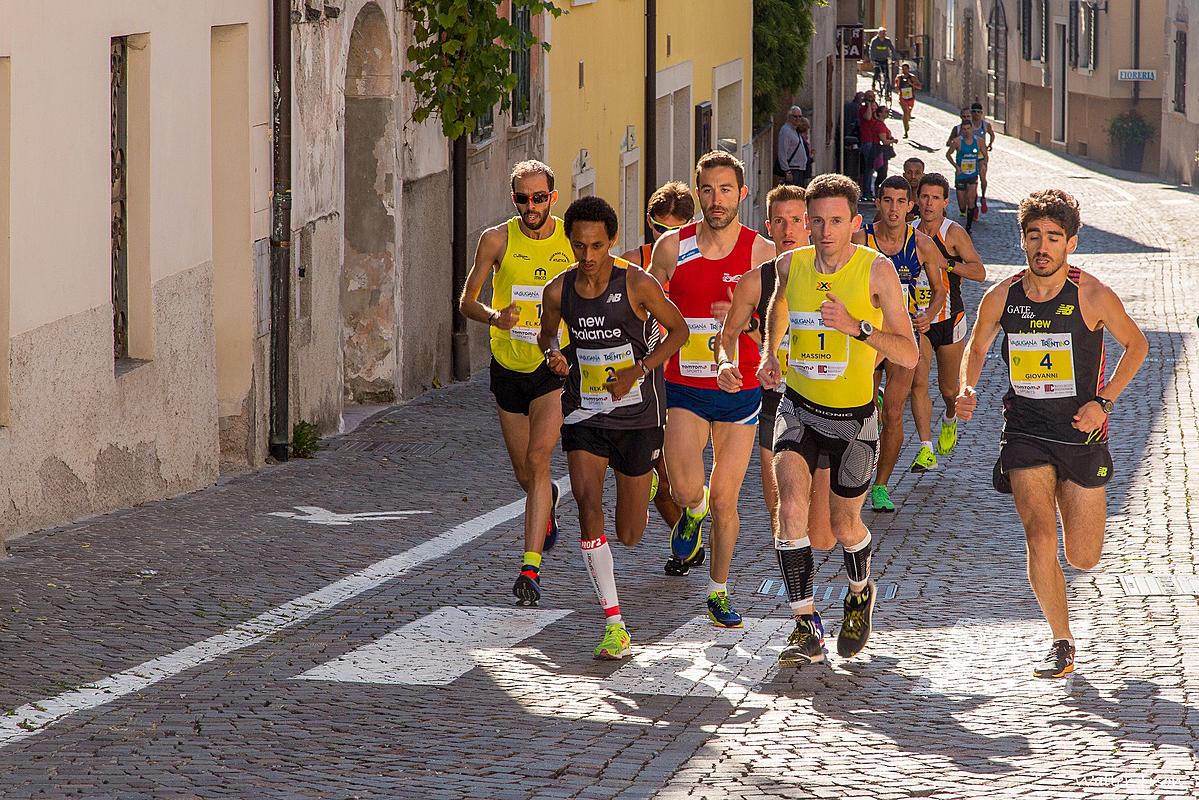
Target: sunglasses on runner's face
x=662 y=227
x=523 y=199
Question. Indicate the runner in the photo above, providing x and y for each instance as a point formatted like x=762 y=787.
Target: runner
x=522 y=255
x=670 y=208
x=914 y=257
x=703 y=262
x=946 y=337
x=785 y=224
x=913 y=171
x=965 y=152
x=907 y=83
x=984 y=128
x=1053 y=455
x=841 y=308
x=614 y=403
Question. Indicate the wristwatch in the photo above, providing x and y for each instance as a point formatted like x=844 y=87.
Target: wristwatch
x=493 y=316
x=549 y=351
x=753 y=325
x=1105 y=404
x=864 y=330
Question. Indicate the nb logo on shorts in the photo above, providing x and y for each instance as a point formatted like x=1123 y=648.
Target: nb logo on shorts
x=1102 y=473
x=1065 y=310
x=539 y=273
x=656 y=455
x=614 y=297
x=823 y=286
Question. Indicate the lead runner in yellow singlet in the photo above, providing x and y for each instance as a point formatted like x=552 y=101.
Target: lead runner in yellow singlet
x=842 y=307
x=522 y=255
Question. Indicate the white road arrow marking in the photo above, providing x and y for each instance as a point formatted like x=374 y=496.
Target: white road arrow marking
x=315 y=515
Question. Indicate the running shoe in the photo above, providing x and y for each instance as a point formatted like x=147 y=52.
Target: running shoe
x=880 y=499
x=687 y=535
x=805 y=645
x=551 y=531
x=653 y=485
x=925 y=460
x=721 y=612
x=1059 y=663
x=679 y=568
x=615 y=644
x=855 y=627
x=948 y=438
x=984 y=205
x=527 y=588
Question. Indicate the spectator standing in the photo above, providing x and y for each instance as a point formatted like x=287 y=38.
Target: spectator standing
x=876 y=142
x=792 y=153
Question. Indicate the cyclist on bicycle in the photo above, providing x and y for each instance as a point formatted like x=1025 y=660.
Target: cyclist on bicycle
x=882 y=52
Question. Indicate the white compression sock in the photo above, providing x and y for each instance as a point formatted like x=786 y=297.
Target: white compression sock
x=597 y=555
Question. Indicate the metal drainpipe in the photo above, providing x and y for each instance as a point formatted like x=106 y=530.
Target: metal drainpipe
x=281 y=232
x=650 y=137
x=1136 y=48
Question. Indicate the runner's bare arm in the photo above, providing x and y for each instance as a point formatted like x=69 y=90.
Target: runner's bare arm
x=986 y=328
x=651 y=297
x=949 y=154
x=665 y=256
x=764 y=250
x=551 y=318
x=488 y=255
x=967 y=263
x=990 y=136
x=1098 y=301
x=895 y=341
x=932 y=259
x=741 y=310
x=777 y=323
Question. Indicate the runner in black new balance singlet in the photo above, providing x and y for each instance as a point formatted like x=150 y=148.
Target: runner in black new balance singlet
x=613 y=403
x=1053 y=456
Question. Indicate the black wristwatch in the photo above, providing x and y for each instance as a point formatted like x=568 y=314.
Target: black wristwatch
x=754 y=324
x=864 y=330
x=1107 y=405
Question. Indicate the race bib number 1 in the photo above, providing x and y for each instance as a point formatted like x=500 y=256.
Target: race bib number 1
x=597 y=368
x=697 y=358
x=1042 y=365
x=528 y=300
x=817 y=351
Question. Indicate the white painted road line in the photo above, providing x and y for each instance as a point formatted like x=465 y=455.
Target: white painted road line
x=32 y=718
x=436 y=649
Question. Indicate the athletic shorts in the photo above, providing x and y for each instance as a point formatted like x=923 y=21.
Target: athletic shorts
x=843 y=439
x=630 y=452
x=716 y=405
x=770 y=408
x=515 y=391
x=1088 y=465
x=963 y=183
x=946 y=332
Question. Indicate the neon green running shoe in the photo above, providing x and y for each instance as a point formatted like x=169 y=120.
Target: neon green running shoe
x=615 y=644
x=653 y=481
x=880 y=499
x=687 y=535
x=925 y=460
x=948 y=438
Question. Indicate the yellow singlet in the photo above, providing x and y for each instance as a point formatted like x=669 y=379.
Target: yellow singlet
x=827 y=367
x=528 y=265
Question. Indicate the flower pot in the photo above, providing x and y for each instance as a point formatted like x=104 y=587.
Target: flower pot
x=1132 y=154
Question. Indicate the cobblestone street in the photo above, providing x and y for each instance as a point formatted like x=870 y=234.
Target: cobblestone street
x=295 y=633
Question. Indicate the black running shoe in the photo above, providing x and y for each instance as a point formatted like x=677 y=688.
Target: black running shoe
x=527 y=588
x=855 y=627
x=551 y=532
x=805 y=645
x=1059 y=663
x=680 y=568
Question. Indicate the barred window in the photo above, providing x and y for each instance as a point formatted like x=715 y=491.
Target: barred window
x=1180 y=71
x=522 y=95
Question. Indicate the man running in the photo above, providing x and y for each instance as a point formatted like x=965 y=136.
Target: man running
x=670 y=208
x=984 y=128
x=841 y=308
x=907 y=83
x=1053 y=455
x=913 y=256
x=613 y=405
x=703 y=262
x=946 y=337
x=965 y=153
x=785 y=224
x=521 y=256
x=913 y=171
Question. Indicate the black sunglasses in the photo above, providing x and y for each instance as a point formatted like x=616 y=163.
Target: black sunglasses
x=523 y=199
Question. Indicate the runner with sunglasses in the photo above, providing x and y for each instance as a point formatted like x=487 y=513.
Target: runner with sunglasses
x=521 y=256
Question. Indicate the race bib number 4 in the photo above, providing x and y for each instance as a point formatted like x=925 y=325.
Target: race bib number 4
x=817 y=351
x=598 y=368
x=697 y=358
x=907 y=93
x=1041 y=365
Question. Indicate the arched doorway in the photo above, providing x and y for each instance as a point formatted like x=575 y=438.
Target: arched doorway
x=368 y=275
x=997 y=62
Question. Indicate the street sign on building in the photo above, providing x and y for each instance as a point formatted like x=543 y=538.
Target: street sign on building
x=1136 y=74
x=849 y=41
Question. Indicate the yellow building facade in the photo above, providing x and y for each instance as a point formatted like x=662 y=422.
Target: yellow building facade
x=595 y=97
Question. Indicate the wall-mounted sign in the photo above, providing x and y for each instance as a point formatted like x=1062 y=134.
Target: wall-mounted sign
x=849 y=40
x=1136 y=74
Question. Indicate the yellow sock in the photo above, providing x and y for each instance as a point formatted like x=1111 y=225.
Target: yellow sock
x=532 y=559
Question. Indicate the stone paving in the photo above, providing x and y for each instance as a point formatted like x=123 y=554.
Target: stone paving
x=209 y=608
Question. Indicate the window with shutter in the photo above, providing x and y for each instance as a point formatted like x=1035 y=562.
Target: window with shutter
x=1180 y=71
x=1072 y=33
x=1044 y=31
x=1026 y=29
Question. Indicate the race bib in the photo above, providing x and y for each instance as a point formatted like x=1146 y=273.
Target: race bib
x=920 y=296
x=598 y=368
x=784 y=354
x=906 y=93
x=528 y=300
x=697 y=358
x=816 y=351
x=969 y=164
x=1041 y=365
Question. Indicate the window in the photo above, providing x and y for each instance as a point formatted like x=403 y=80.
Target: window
x=484 y=127
x=119 y=219
x=1034 y=29
x=1087 y=44
x=521 y=68
x=951 y=30
x=1180 y=71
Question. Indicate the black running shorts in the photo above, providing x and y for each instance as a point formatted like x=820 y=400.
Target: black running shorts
x=515 y=391
x=946 y=332
x=770 y=407
x=630 y=452
x=963 y=183
x=843 y=439
x=1088 y=465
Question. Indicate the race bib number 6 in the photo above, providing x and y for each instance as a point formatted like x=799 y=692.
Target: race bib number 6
x=817 y=351
x=1042 y=365
x=697 y=358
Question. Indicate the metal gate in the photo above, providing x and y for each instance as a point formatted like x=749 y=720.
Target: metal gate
x=997 y=63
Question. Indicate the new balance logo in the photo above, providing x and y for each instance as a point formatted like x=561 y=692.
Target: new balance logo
x=1065 y=310
x=1102 y=473
x=614 y=297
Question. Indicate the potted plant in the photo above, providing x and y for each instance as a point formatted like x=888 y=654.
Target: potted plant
x=1129 y=132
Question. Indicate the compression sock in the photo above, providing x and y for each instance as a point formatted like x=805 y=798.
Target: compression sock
x=798 y=568
x=857 y=563
x=598 y=558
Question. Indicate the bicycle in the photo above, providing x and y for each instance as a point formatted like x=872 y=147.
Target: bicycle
x=881 y=80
